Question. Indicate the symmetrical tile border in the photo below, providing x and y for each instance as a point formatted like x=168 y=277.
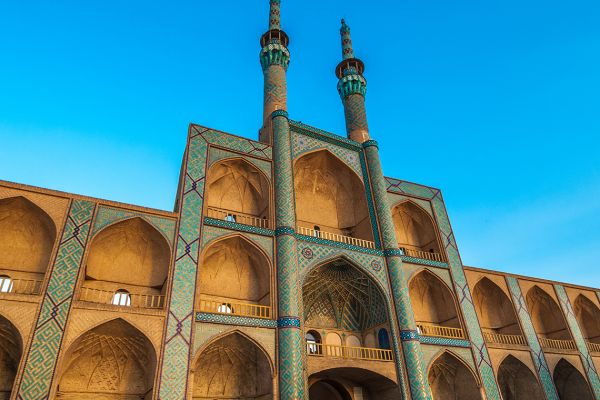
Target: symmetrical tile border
x=325 y=136
x=235 y=320
x=50 y=325
x=438 y=341
x=422 y=261
x=238 y=227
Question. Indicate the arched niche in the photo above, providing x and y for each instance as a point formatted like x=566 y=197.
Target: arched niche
x=494 y=309
x=111 y=361
x=415 y=229
x=11 y=348
x=517 y=382
x=432 y=301
x=330 y=196
x=351 y=383
x=326 y=389
x=237 y=186
x=27 y=236
x=569 y=382
x=232 y=367
x=130 y=256
x=546 y=315
x=588 y=316
x=450 y=379
x=235 y=269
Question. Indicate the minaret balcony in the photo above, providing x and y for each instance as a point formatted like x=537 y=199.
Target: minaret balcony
x=229 y=307
x=557 y=344
x=504 y=339
x=238 y=217
x=427 y=329
x=348 y=352
x=335 y=237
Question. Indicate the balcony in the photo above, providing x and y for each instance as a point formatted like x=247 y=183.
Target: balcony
x=235 y=308
x=120 y=298
x=425 y=255
x=593 y=347
x=238 y=217
x=20 y=286
x=355 y=353
x=335 y=237
x=557 y=344
x=440 y=331
x=500 y=338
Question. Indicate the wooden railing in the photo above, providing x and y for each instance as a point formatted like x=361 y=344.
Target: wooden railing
x=557 y=344
x=357 y=353
x=501 y=338
x=238 y=217
x=21 y=286
x=426 y=255
x=440 y=331
x=135 y=300
x=335 y=237
x=235 y=308
x=593 y=347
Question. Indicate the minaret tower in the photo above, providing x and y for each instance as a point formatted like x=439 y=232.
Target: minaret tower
x=352 y=87
x=274 y=59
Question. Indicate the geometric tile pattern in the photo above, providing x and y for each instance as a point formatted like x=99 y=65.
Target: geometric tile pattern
x=235 y=320
x=439 y=341
x=588 y=364
x=238 y=227
x=50 y=325
x=422 y=261
x=539 y=359
x=340 y=245
x=311 y=131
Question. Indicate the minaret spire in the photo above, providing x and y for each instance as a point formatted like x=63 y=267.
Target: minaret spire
x=274 y=59
x=352 y=87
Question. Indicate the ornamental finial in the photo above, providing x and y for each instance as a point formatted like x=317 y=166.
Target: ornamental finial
x=274 y=15
x=347 y=51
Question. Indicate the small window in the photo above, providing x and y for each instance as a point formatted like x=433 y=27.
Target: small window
x=121 y=298
x=312 y=342
x=6 y=284
x=225 y=308
x=231 y=218
x=317 y=230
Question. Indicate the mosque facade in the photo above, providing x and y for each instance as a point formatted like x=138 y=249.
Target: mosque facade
x=290 y=268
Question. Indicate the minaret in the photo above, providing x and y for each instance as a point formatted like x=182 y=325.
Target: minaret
x=352 y=87
x=274 y=59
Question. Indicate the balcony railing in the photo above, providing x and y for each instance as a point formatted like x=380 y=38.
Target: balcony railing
x=440 y=331
x=356 y=353
x=235 y=308
x=593 y=347
x=336 y=237
x=134 y=300
x=501 y=338
x=238 y=217
x=21 y=286
x=426 y=255
x=557 y=344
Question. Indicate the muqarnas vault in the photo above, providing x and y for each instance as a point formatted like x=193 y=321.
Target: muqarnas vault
x=291 y=268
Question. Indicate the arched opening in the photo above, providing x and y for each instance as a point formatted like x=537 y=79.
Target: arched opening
x=236 y=191
x=128 y=262
x=232 y=367
x=588 y=317
x=235 y=279
x=10 y=355
x=330 y=196
x=497 y=316
x=451 y=379
x=433 y=306
x=313 y=342
x=27 y=236
x=351 y=384
x=111 y=361
x=569 y=382
x=416 y=232
x=517 y=382
x=383 y=338
x=547 y=318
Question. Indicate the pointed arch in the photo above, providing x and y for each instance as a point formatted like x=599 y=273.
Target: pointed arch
x=546 y=315
x=113 y=360
x=588 y=317
x=517 y=381
x=570 y=383
x=232 y=365
x=11 y=348
x=331 y=196
x=238 y=186
x=415 y=228
x=494 y=309
x=451 y=378
x=432 y=301
x=27 y=236
x=344 y=383
x=235 y=269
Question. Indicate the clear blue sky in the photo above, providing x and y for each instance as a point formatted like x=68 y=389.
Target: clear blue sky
x=496 y=103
